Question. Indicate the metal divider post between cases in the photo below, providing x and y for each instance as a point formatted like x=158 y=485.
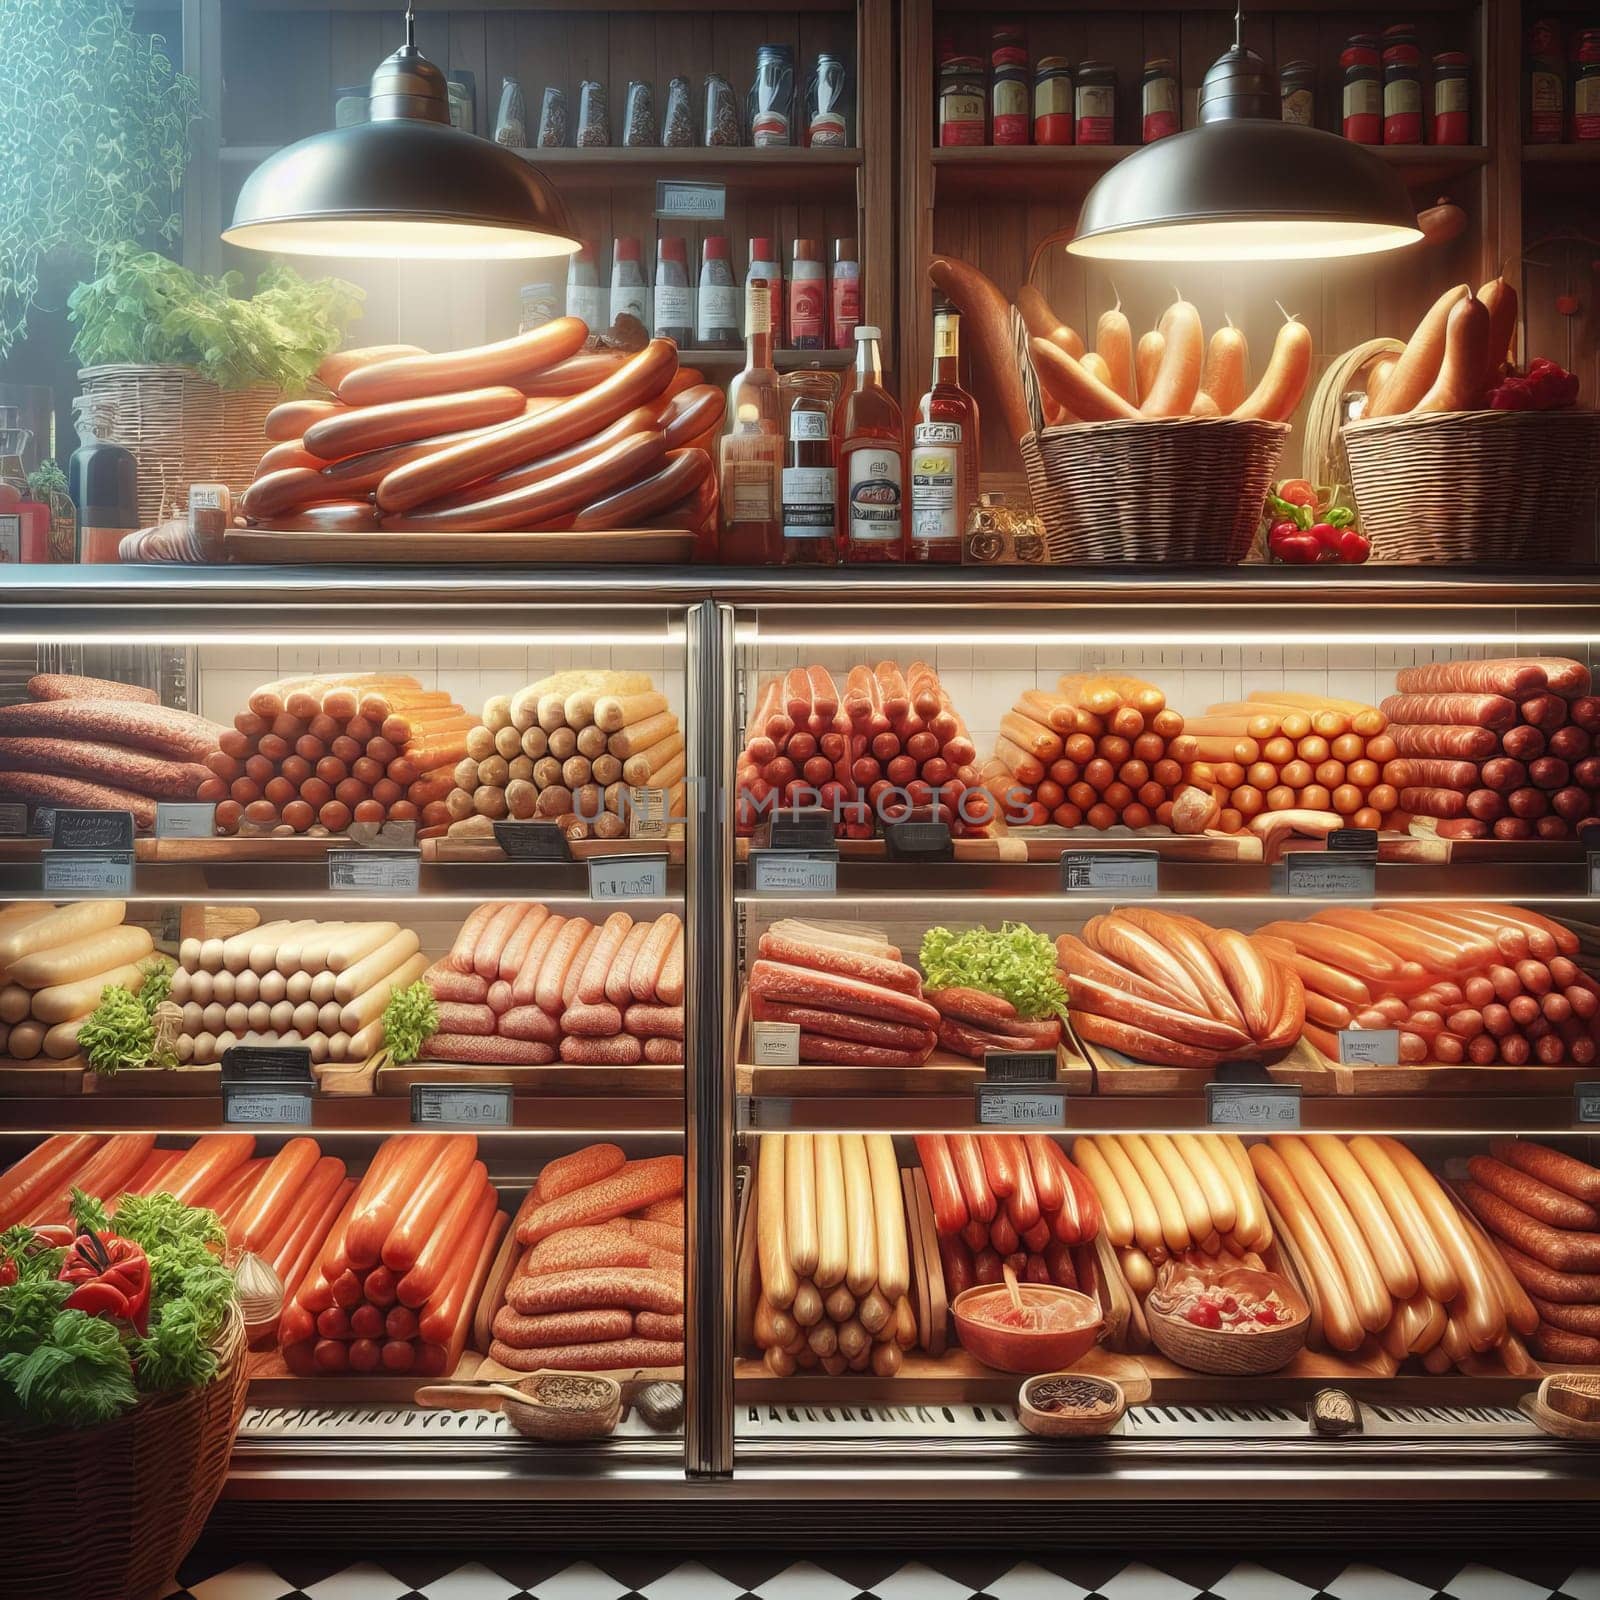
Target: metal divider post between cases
x=707 y=1082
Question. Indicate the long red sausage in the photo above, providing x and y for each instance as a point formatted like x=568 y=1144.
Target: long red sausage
x=409 y=377
x=372 y=427
x=633 y=506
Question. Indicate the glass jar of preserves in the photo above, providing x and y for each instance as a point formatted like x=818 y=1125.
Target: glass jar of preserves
x=1402 y=85
x=1008 y=86
x=1158 y=97
x=1586 y=88
x=1297 y=90
x=1452 y=110
x=1547 y=85
x=961 y=101
x=1363 y=90
x=770 y=108
x=1052 y=101
x=1095 y=103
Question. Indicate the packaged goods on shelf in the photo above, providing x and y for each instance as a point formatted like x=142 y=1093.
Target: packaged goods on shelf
x=524 y=987
x=599 y=1283
x=323 y=985
x=890 y=745
x=566 y=749
x=834 y=1274
x=110 y=746
x=54 y=963
x=397 y=1280
x=314 y=754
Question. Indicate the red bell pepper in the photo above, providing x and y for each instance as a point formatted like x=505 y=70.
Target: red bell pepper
x=112 y=1275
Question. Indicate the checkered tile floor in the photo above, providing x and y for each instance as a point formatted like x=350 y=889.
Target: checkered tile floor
x=884 y=1578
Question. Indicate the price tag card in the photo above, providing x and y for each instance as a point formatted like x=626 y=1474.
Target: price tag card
x=919 y=840
x=73 y=828
x=82 y=872
x=13 y=819
x=1004 y=1105
x=361 y=871
x=1110 y=871
x=799 y=828
x=185 y=819
x=1586 y=1104
x=532 y=841
x=794 y=872
x=765 y=1111
x=266 y=1104
x=280 y=1064
x=690 y=202
x=627 y=877
x=1019 y=1066
x=1371 y=1047
x=775 y=1044
x=1253 y=1105
x=649 y=813
x=462 y=1105
x=1326 y=875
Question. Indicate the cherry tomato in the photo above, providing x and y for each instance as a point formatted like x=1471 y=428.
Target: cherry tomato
x=1354 y=547
x=1203 y=1314
x=1298 y=492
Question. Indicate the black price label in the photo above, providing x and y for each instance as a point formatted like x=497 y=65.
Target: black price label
x=258 y=1063
x=808 y=828
x=919 y=840
x=532 y=841
x=77 y=829
x=1019 y=1066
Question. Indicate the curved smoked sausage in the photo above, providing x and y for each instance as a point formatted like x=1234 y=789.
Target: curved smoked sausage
x=372 y=427
x=684 y=472
x=410 y=377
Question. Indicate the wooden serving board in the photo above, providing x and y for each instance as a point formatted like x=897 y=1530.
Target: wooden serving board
x=449 y=851
x=1117 y=1074
x=1425 y=1078
x=635 y=547
x=153 y=1081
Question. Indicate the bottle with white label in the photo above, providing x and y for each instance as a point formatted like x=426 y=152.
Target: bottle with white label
x=674 y=297
x=717 y=303
x=944 y=451
x=765 y=265
x=584 y=299
x=810 y=480
x=752 y=449
x=869 y=449
x=808 y=296
x=630 y=292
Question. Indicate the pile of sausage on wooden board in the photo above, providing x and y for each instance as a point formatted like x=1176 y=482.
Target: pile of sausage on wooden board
x=313 y=754
x=1477 y=983
x=532 y=433
x=1543 y=1208
x=833 y=1256
x=1500 y=749
x=567 y=750
x=102 y=745
x=1007 y=1199
x=890 y=742
x=524 y=987
x=599 y=1285
x=323 y=985
x=397 y=1279
x=54 y=961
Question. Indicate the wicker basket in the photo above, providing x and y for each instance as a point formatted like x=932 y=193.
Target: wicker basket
x=183 y=429
x=1232 y=1354
x=111 y=1511
x=1502 y=487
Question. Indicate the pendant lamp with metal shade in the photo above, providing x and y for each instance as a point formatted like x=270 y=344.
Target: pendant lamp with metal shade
x=404 y=184
x=1245 y=185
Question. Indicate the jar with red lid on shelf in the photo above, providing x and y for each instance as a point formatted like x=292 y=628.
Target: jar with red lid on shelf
x=1402 y=85
x=1095 y=103
x=961 y=101
x=1052 y=100
x=1547 y=83
x=1586 y=88
x=1362 y=116
x=1008 y=85
x=1158 y=100
x=1452 y=104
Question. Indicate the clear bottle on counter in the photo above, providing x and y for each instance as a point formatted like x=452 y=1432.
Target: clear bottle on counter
x=1402 y=85
x=1095 y=103
x=764 y=264
x=869 y=451
x=752 y=449
x=639 y=117
x=961 y=108
x=717 y=302
x=722 y=112
x=1297 y=92
x=943 y=459
x=1009 y=121
x=844 y=298
x=594 y=117
x=825 y=104
x=677 y=117
x=674 y=297
x=1052 y=101
x=1547 y=83
x=1452 y=108
x=771 y=100
x=808 y=296
x=630 y=290
x=810 y=480
x=1158 y=100
x=511 y=120
x=103 y=480
x=1362 y=115
x=553 y=119
x=584 y=299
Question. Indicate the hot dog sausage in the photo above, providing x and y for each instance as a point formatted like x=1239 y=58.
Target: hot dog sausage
x=354 y=432
x=632 y=507
x=410 y=377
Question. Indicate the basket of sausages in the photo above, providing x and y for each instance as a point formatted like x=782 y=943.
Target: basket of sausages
x=1458 y=456
x=1155 y=450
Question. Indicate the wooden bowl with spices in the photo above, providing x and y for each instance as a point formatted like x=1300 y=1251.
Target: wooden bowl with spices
x=1070 y=1405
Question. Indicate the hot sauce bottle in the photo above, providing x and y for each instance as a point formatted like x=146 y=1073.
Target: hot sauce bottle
x=943 y=458
x=869 y=448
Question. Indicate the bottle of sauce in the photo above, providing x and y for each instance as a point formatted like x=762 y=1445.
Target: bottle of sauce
x=1402 y=85
x=674 y=300
x=717 y=304
x=584 y=300
x=1363 y=90
x=24 y=521
x=1158 y=99
x=1008 y=86
x=810 y=479
x=765 y=265
x=808 y=296
x=1052 y=101
x=869 y=447
x=752 y=449
x=944 y=450
x=1547 y=84
x=1095 y=103
x=960 y=101
x=1586 y=89
x=1452 y=114
x=844 y=310
x=630 y=294
x=103 y=480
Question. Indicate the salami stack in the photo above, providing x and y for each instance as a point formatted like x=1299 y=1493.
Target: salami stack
x=566 y=749
x=1499 y=749
x=323 y=985
x=526 y=987
x=396 y=1282
x=1095 y=753
x=854 y=1000
x=599 y=1285
x=102 y=745
x=314 y=754
x=54 y=963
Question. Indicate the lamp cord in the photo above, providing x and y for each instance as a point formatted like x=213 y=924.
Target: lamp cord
x=1238 y=25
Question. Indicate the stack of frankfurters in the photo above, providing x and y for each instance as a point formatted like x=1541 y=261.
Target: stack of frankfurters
x=1098 y=751
x=1499 y=749
x=1478 y=983
x=398 y=1276
x=833 y=1254
x=108 y=746
x=314 y=754
x=973 y=1021
x=565 y=749
x=525 y=987
x=854 y=1000
x=1543 y=1209
x=54 y=962
x=599 y=1285
x=1162 y=987
x=323 y=985
x=1006 y=1199
x=527 y=434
